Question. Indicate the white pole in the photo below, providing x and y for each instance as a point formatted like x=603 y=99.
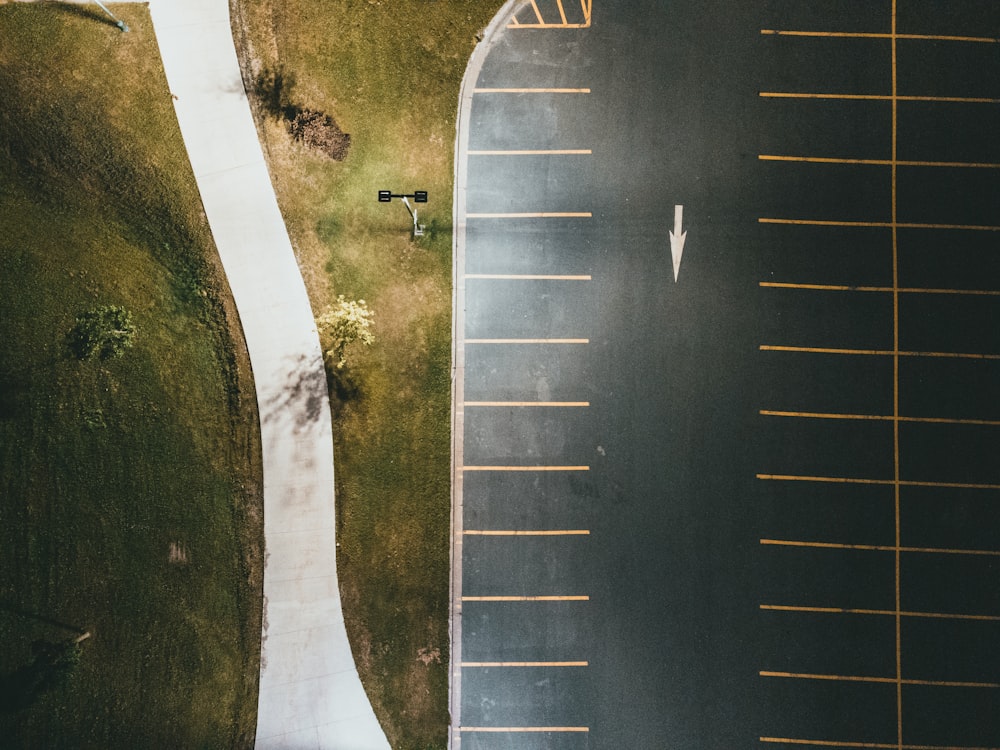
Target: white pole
x=120 y=24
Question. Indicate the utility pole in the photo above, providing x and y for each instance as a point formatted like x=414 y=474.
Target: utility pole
x=419 y=196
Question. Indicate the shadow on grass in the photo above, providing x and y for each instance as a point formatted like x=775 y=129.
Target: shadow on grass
x=50 y=667
x=81 y=11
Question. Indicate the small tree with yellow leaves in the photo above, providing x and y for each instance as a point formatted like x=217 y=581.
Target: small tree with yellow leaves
x=340 y=325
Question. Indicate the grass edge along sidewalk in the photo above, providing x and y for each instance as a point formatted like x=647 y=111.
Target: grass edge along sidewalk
x=389 y=75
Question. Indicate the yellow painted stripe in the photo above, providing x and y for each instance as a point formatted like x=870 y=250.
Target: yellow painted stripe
x=530 y=277
x=530 y=91
x=880 y=418
x=855 y=480
x=528 y=403
x=525 y=664
x=525 y=468
x=879 y=548
x=825 y=743
x=892 y=680
x=901 y=290
x=562 y=13
x=878 y=352
x=533 y=152
x=866 y=35
x=533 y=215
x=527 y=341
x=885 y=612
x=878 y=97
x=525 y=598
x=538 y=13
x=880 y=224
x=525 y=729
x=893 y=746
x=877 y=162
x=518 y=532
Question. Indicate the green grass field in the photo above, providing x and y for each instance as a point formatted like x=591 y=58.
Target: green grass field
x=389 y=73
x=130 y=499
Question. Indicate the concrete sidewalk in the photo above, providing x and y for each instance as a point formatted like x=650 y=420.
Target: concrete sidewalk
x=310 y=694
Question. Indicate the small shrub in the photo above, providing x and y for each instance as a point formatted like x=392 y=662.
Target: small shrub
x=321 y=132
x=342 y=324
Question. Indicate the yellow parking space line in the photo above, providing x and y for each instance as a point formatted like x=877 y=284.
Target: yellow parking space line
x=562 y=13
x=525 y=468
x=878 y=352
x=528 y=276
x=525 y=729
x=891 y=680
x=900 y=290
x=534 y=152
x=881 y=224
x=886 y=482
x=525 y=598
x=536 y=90
x=867 y=35
x=879 y=548
x=518 y=532
x=879 y=97
x=538 y=13
x=878 y=162
x=830 y=743
x=533 y=215
x=577 y=404
x=880 y=612
x=527 y=341
x=476 y=664
x=880 y=418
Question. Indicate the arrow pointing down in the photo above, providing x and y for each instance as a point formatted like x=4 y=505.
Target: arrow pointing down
x=677 y=240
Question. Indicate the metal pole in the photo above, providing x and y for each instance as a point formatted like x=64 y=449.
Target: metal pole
x=119 y=23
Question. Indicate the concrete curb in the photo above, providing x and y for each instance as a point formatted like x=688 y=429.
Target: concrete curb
x=472 y=70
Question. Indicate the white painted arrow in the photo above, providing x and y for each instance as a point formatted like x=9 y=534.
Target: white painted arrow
x=677 y=240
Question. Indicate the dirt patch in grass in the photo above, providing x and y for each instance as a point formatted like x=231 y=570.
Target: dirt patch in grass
x=389 y=74
x=131 y=487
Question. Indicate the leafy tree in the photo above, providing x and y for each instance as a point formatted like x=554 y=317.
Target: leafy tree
x=342 y=324
x=104 y=332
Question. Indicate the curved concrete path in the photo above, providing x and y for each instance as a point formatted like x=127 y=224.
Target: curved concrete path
x=310 y=694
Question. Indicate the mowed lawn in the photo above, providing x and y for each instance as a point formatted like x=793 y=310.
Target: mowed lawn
x=130 y=490
x=389 y=74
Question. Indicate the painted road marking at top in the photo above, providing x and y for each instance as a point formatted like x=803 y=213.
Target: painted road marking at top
x=879 y=97
x=572 y=598
x=527 y=341
x=580 y=12
x=524 y=468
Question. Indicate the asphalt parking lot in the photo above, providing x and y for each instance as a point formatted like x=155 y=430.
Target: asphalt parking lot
x=756 y=506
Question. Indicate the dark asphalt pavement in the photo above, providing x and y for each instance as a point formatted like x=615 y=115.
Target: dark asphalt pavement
x=775 y=481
